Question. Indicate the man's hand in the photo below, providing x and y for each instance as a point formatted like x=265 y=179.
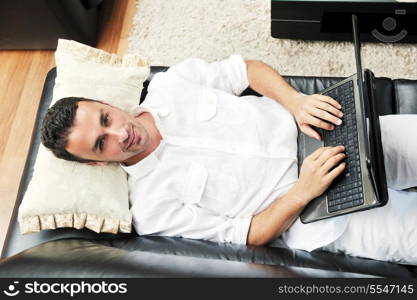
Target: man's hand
x=317 y=110
x=318 y=171
x=313 y=110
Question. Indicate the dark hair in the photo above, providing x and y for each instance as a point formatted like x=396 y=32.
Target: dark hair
x=56 y=127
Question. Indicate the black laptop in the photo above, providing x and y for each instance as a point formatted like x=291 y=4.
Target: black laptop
x=363 y=184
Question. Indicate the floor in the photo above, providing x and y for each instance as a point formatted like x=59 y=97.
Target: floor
x=22 y=75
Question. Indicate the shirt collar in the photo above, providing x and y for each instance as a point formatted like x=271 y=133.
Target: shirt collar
x=146 y=165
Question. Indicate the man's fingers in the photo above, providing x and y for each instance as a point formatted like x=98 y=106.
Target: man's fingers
x=319 y=123
x=325 y=155
x=335 y=172
x=329 y=108
x=310 y=132
x=329 y=100
x=314 y=155
x=332 y=162
x=326 y=116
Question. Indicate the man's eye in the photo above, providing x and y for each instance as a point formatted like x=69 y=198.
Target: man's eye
x=106 y=120
x=102 y=144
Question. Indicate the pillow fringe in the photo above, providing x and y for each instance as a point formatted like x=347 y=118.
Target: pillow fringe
x=95 y=223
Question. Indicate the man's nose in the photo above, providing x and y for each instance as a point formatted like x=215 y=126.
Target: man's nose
x=119 y=134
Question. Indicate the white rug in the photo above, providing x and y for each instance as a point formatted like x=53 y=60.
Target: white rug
x=168 y=31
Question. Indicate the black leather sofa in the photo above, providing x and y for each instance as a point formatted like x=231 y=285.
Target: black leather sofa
x=82 y=253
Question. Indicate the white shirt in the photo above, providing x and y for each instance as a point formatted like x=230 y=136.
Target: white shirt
x=222 y=158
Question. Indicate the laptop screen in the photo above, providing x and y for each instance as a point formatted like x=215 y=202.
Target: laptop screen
x=359 y=73
x=373 y=146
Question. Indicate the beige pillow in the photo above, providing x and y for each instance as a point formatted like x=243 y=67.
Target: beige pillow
x=70 y=194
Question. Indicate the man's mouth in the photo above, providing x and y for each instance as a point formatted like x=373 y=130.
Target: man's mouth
x=133 y=139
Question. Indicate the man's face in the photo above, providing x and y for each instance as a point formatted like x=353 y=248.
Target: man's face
x=105 y=133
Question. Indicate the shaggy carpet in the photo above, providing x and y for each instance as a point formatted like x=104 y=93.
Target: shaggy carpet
x=167 y=31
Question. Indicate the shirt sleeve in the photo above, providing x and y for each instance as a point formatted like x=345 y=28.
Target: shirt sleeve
x=191 y=221
x=229 y=75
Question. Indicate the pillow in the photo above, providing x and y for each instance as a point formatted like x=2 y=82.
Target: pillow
x=70 y=194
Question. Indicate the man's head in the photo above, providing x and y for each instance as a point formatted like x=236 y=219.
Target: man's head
x=84 y=130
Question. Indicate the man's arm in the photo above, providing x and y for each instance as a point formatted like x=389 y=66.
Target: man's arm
x=316 y=110
x=316 y=174
x=266 y=81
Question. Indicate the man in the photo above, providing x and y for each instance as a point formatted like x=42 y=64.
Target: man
x=206 y=164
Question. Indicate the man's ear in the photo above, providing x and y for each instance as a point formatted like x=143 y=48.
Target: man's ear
x=97 y=163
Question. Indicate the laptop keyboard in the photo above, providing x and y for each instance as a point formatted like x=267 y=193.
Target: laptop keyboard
x=346 y=190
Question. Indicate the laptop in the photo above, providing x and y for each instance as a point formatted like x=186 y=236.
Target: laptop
x=363 y=184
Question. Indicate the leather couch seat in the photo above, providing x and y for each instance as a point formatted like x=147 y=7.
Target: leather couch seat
x=67 y=252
